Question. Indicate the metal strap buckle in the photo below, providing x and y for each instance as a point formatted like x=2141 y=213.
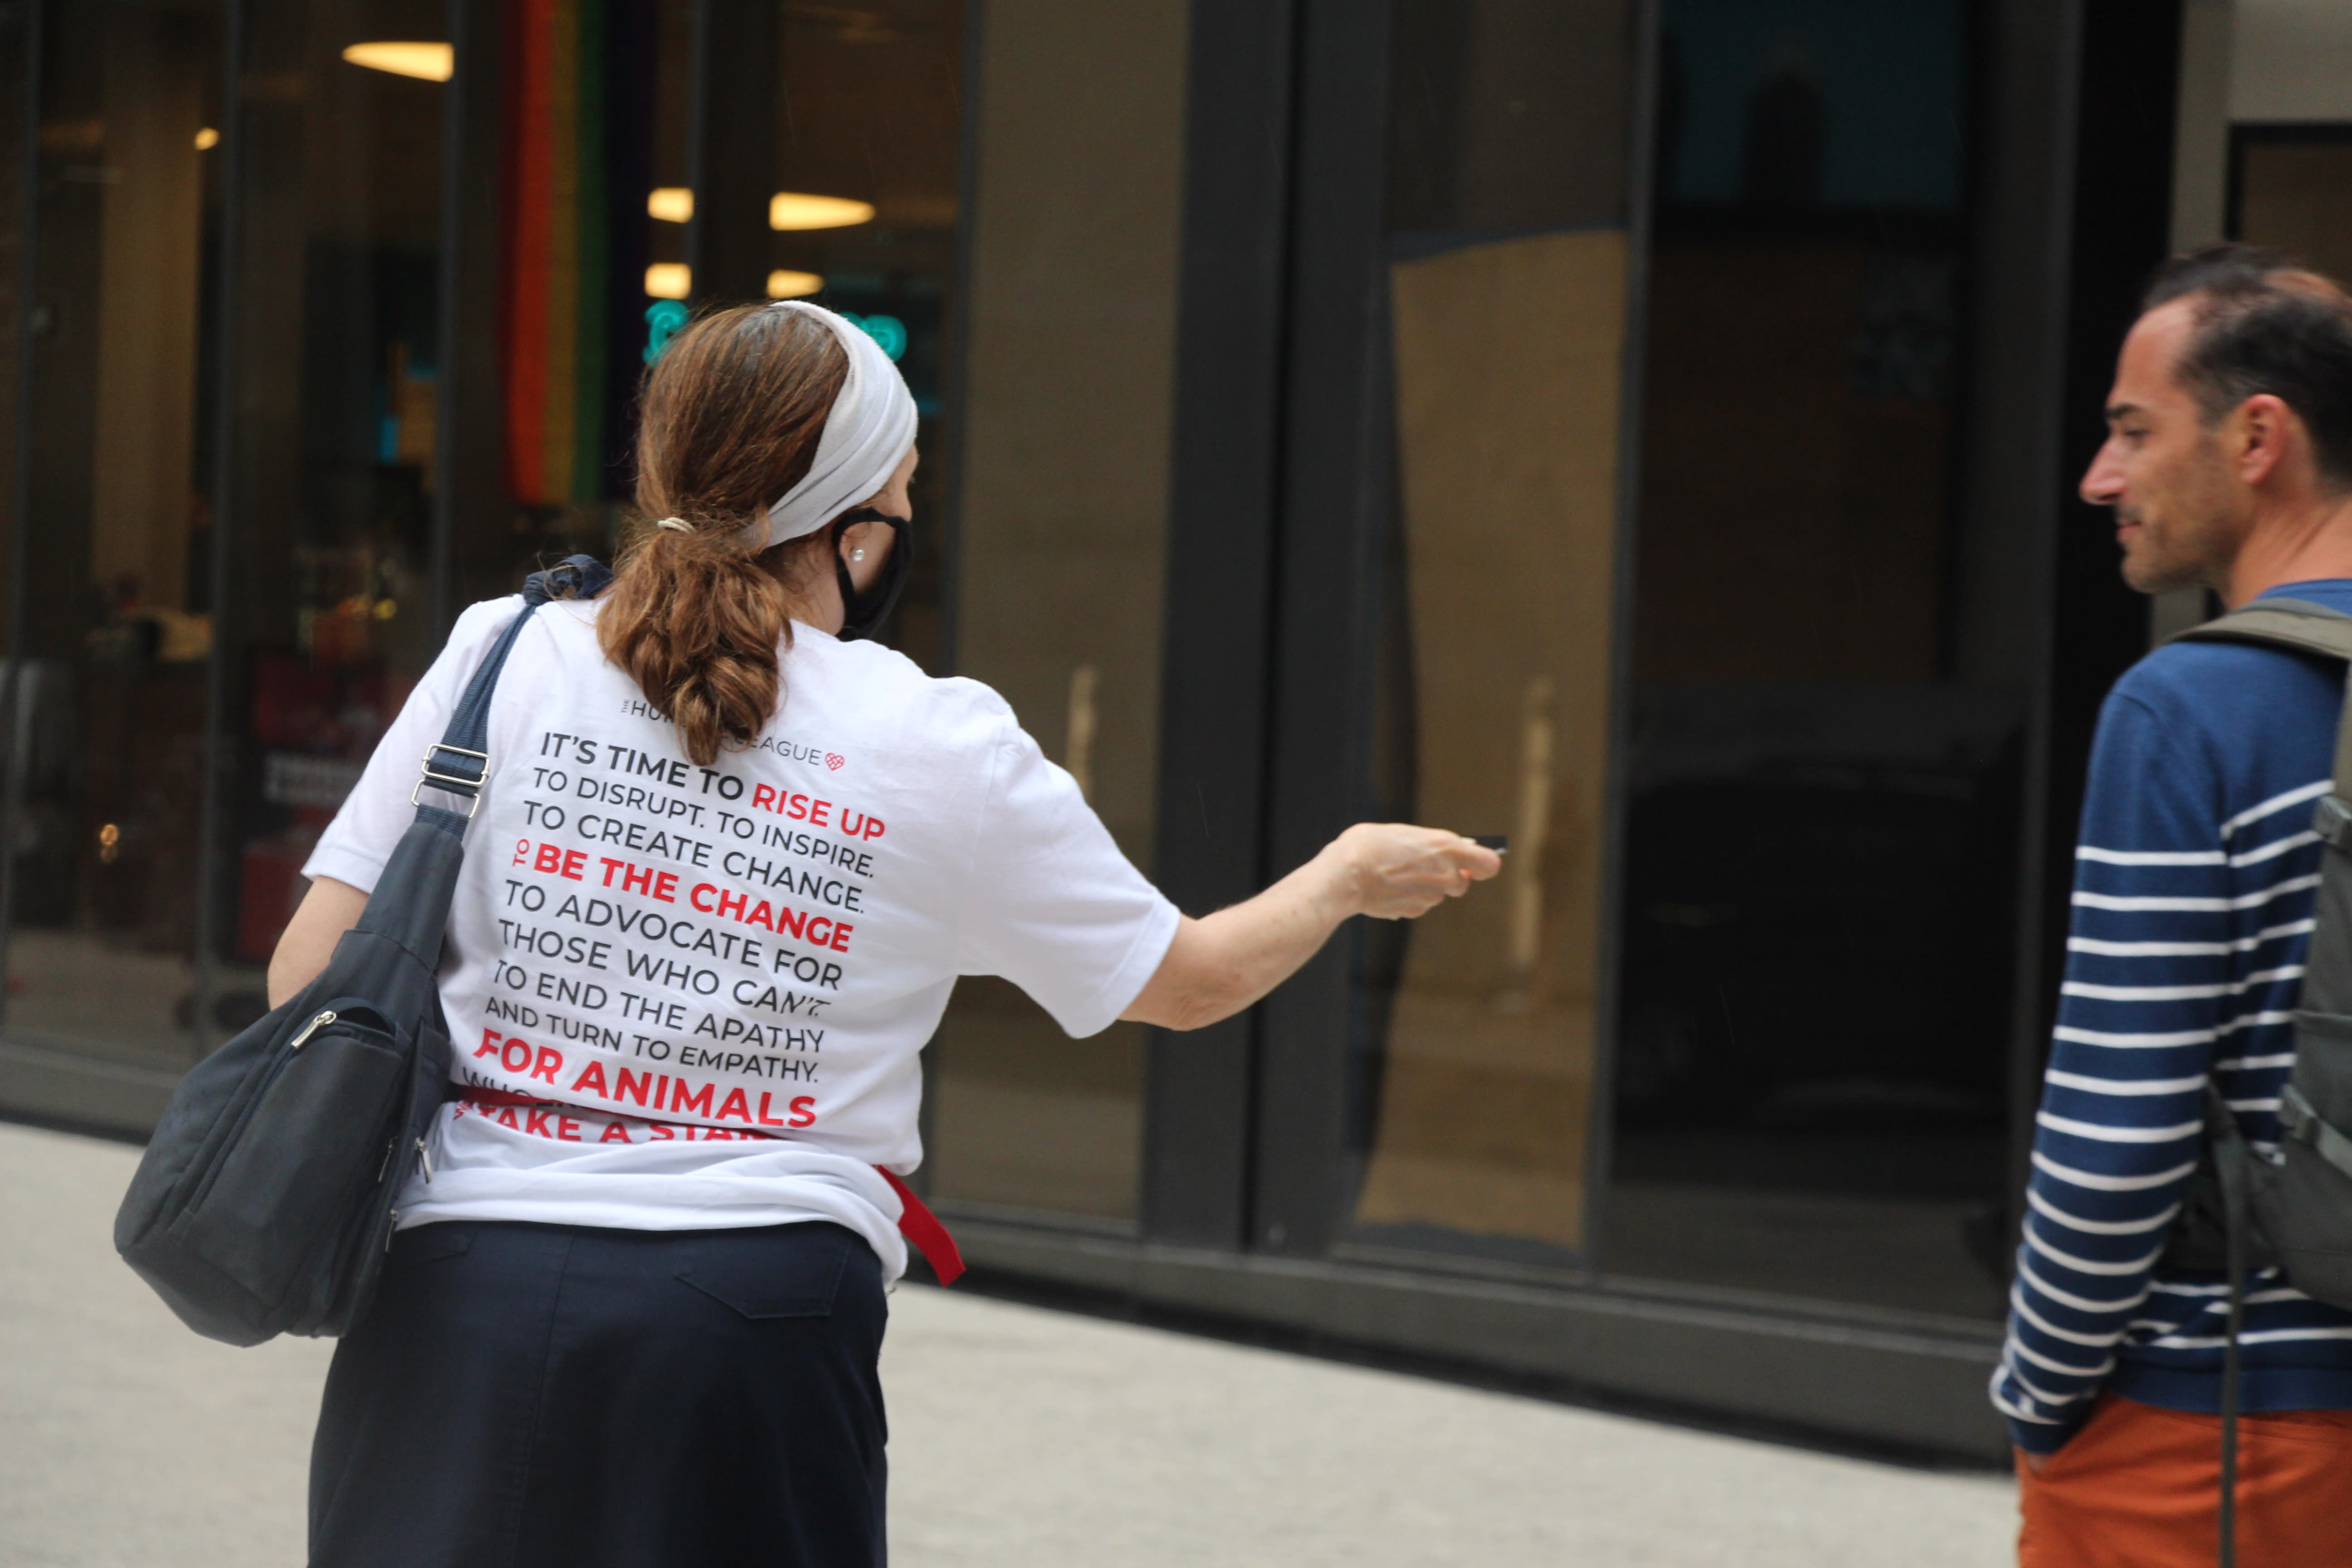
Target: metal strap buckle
x=473 y=801
x=467 y=788
x=2302 y=1120
x=470 y=781
x=2294 y=1112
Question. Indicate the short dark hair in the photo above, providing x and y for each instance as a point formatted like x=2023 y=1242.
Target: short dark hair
x=2265 y=322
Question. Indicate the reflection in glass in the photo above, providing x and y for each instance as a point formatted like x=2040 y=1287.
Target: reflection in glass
x=1825 y=766
x=108 y=699
x=868 y=126
x=232 y=563
x=1061 y=517
x=588 y=128
x=1507 y=360
x=1506 y=290
x=332 y=361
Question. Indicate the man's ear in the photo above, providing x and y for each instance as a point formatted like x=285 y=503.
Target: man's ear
x=2266 y=435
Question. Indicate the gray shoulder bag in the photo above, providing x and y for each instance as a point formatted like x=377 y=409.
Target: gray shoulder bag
x=264 y=1204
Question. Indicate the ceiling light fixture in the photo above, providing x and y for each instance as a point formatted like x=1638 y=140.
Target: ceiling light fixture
x=207 y=139
x=785 y=283
x=669 y=280
x=671 y=204
x=425 y=62
x=790 y=210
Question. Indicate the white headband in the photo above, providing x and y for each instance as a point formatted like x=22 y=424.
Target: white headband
x=866 y=436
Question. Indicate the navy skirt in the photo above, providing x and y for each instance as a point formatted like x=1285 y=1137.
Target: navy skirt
x=529 y=1395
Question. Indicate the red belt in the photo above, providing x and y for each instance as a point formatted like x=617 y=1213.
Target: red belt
x=917 y=1223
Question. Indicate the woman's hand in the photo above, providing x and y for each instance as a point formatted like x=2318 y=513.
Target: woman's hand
x=1227 y=961
x=1395 y=871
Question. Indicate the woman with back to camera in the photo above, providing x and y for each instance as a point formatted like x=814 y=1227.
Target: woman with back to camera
x=726 y=868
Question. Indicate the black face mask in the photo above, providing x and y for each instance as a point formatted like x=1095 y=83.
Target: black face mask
x=862 y=614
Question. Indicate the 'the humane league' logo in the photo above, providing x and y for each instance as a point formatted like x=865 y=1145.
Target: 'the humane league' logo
x=833 y=760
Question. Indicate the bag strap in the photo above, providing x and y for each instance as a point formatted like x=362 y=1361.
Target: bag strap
x=458 y=763
x=2305 y=627
x=2233 y=1163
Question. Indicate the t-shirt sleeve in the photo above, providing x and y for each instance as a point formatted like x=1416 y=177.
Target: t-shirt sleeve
x=1050 y=903
x=359 y=840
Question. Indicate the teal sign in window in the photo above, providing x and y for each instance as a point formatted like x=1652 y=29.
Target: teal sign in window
x=887 y=331
x=663 y=320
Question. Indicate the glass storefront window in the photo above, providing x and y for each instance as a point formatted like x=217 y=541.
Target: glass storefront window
x=1061 y=517
x=112 y=560
x=589 y=137
x=869 y=124
x=1506 y=292
x=330 y=350
x=237 y=554
x=1826 y=764
x=229 y=567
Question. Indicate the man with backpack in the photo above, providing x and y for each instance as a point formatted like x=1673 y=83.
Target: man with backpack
x=2179 y=1133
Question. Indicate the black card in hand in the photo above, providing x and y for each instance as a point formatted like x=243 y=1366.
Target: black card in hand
x=1501 y=843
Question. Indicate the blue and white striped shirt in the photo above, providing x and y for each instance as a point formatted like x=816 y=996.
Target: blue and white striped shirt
x=2192 y=908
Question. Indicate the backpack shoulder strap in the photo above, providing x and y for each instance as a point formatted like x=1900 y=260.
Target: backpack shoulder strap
x=2305 y=627
x=2296 y=623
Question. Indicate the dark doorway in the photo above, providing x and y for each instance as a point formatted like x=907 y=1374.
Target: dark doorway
x=1823 y=795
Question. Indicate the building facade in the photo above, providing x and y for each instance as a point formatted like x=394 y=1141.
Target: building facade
x=1645 y=428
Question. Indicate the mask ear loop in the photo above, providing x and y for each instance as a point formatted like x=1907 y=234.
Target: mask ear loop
x=859 y=619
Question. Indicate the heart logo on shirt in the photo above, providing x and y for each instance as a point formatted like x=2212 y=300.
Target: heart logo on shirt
x=833 y=760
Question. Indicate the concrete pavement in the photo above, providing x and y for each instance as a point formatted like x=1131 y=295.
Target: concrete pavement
x=1018 y=1436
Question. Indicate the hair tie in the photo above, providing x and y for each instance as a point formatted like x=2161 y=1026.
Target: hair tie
x=675 y=524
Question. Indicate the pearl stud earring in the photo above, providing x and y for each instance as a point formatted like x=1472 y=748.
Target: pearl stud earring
x=857 y=556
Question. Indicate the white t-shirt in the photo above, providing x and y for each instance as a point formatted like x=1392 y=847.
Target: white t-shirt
x=730 y=971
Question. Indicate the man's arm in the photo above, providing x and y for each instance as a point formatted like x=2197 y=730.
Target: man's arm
x=2145 y=999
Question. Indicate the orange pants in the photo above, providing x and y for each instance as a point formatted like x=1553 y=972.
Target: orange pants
x=2140 y=1487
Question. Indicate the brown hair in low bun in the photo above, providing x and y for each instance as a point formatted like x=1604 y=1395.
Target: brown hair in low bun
x=733 y=413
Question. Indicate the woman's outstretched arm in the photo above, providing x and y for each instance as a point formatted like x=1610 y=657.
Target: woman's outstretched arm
x=1214 y=968
x=1226 y=962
